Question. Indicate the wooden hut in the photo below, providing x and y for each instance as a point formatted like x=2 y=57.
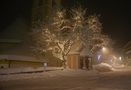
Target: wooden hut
x=78 y=58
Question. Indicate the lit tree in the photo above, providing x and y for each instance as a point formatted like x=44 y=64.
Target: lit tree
x=60 y=33
x=55 y=36
x=61 y=36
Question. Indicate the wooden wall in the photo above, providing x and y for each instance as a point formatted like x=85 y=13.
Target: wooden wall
x=73 y=61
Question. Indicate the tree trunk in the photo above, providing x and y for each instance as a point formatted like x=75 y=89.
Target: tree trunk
x=64 y=62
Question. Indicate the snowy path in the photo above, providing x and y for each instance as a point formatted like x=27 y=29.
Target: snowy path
x=48 y=74
x=68 y=80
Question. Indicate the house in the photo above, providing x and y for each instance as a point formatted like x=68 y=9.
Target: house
x=14 y=39
x=19 y=61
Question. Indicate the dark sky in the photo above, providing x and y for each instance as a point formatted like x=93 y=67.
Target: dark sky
x=115 y=15
x=11 y=9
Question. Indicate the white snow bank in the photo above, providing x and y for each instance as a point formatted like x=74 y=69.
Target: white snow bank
x=118 y=66
x=24 y=70
x=103 y=67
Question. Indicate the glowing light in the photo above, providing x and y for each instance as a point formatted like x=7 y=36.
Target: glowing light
x=103 y=49
x=119 y=58
x=99 y=56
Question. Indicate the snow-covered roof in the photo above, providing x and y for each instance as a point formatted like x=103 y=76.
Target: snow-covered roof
x=17 y=29
x=19 y=58
x=127 y=47
x=128 y=44
x=84 y=52
x=128 y=52
x=78 y=48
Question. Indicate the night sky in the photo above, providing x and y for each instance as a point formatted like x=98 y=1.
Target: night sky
x=115 y=15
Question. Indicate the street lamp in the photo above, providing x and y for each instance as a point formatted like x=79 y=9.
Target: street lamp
x=120 y=58
x=104 y=50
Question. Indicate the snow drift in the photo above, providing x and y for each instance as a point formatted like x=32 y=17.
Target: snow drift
x=103 y=67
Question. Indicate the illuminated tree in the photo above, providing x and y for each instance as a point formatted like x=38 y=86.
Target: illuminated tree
x=55 y=36
x=60 y=36
x=62 y=31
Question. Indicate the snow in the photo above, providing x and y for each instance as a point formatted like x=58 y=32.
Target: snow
x=103 y=67
x=26 y=70
x=51 y=72
x=55 y=72
x=118 y=66
x=84 y=52
x=67 y=80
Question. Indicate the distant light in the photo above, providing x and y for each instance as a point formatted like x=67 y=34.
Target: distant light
x=103 y=49
x=119 y=58
x=99 y=56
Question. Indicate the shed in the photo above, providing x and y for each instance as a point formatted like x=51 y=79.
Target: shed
x=78 y=57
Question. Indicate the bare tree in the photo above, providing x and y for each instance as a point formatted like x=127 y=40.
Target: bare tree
x=88 y=31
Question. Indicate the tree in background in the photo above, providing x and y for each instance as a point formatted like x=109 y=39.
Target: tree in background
x=88 y=30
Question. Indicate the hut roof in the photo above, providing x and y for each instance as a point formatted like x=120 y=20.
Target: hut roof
x=78 y=48
x=84 y=52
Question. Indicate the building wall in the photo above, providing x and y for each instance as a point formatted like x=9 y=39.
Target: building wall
x=73 y=61
x=19 y=64
x=4 y=64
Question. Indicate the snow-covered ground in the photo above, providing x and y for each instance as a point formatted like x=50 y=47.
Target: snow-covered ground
x=24 y=73
x=103 y=67
x=53 y=73
x=67 y=80
x=26 y=70
x=27 y=73
x=47 y=74
x=102 y=77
